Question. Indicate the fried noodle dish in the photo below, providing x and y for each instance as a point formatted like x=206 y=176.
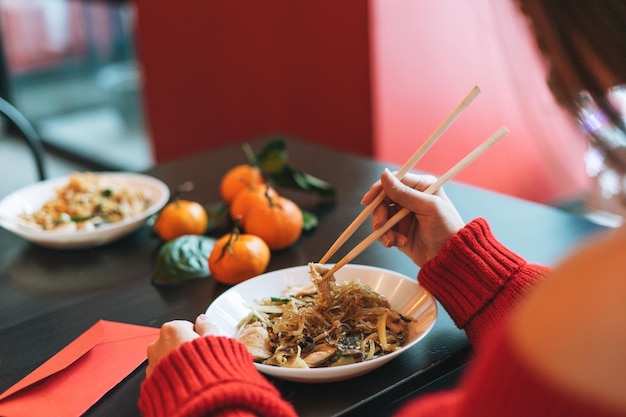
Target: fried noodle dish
x=88 y=201
x=324 y=325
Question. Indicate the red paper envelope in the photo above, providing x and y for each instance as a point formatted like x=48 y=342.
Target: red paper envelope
x=79 y=375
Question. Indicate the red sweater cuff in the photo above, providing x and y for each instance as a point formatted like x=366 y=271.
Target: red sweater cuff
x=475 y=276
x=210 y=376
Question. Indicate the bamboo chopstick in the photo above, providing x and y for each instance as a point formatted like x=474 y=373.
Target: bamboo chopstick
x=471 y=157
x=430 y=141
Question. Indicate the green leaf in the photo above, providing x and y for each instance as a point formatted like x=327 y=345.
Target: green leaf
x=292 y=178
x=182 y=259
x=272 y=160
x=309 y=221
x=216 y=212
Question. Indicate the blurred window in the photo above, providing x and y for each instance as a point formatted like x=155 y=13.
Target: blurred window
x=70 y=66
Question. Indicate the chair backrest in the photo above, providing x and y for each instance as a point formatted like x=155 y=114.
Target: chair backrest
x=27 y=132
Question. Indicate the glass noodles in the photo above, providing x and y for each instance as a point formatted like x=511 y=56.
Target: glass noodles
x=323 y=325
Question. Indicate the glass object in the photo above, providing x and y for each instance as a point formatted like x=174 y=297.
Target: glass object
x=71 y=68
x=605 y=160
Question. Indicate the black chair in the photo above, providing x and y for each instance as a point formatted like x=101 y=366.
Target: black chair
x=27 y=132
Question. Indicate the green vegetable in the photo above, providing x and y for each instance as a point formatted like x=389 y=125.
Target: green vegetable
x=279 y=300
x=309 y=221
x=272 y=160
x=183 y=259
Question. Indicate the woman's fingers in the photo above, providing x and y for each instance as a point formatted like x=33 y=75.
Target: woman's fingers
x=372 y=193
x=172 y=335
x=408 y=193
x=204 y=327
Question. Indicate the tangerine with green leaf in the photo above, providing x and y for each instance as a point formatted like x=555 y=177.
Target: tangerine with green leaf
x=278 y=221
x=237 y=257
x=237 y=179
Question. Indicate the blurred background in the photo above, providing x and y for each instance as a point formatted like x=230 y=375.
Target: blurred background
x=70 y=67
x=122 y=85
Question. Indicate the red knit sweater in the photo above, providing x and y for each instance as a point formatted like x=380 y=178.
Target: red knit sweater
x=475 y=278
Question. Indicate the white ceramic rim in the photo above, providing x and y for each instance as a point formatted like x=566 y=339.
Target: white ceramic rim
x=405 y=295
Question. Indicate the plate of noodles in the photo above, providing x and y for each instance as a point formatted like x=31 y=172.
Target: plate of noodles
x=82 y=210
x=301 y=327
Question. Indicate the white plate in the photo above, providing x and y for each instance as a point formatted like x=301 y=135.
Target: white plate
x=405 y=295
x=29 y=199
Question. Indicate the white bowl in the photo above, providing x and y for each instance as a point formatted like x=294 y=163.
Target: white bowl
x=405 y=295
x=29 y=199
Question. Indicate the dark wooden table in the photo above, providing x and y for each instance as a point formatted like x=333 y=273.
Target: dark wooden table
x=48 y=297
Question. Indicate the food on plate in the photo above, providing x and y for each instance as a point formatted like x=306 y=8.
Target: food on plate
x=237 y=257
x=88 y=201
x=181 y=217
x=323 y=325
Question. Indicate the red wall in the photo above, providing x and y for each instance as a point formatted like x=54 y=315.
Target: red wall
x=371 y=77
x=218 y=72
x=426 y=58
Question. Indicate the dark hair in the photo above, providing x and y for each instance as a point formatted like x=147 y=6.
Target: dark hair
x=567 y=32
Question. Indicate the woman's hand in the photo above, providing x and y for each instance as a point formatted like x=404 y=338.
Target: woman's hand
x=175 y=333
x=432 y=221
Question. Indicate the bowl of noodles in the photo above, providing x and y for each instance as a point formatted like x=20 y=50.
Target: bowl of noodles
x=368 y=317
x=83 y=209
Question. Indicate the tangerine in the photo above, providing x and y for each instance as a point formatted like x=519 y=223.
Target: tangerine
x=278 y=221
x=237 y=179
x=237 y=257
x=249 y=198
x=181 y=217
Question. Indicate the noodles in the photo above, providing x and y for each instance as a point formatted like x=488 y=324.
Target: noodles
x=352 y=324
x=88 y=201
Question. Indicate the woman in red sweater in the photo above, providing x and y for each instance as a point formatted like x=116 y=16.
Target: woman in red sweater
x=524 y=367
x=510 y=309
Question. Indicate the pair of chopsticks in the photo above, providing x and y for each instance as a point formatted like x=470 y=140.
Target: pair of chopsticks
x=356 y=223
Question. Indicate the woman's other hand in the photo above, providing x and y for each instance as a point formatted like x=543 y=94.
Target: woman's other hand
x=432 y=221
x=175 y=333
